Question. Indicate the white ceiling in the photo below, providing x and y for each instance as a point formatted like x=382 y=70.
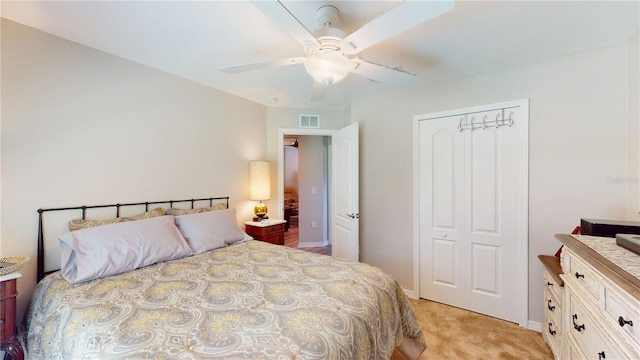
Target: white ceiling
x=193 y=39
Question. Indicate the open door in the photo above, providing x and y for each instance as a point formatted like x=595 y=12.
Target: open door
x=345 y=213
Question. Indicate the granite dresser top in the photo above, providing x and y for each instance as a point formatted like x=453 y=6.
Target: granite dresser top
x=607 y=248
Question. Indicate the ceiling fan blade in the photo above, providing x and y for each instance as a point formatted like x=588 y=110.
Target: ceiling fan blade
x=319 y=91
x=263 y=65
x=399 y=19
x=381 y=73
x=281 y=16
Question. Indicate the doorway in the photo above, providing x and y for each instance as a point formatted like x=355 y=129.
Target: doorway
x=305 y=191
x=341 y=207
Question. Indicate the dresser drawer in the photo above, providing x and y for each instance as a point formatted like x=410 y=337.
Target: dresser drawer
x=274 y=229
x=552 y=335
x=573 y=351
x=582 y=273
x=552 y=308
x=275 y=238
x=551 y=285
x=587 y=333
x=621 y=313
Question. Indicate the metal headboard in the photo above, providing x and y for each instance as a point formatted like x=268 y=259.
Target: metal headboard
x=41 y=256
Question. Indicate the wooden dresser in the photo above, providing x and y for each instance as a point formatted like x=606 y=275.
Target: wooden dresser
x=8 y=337
x=600 y=303
x=271 y=231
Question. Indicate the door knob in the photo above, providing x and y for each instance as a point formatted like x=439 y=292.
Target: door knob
x=354 y=216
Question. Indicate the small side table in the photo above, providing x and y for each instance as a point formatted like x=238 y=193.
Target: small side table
x=8 y=337
x=271 y=231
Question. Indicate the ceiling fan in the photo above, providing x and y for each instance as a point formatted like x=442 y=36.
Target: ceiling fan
x=331 y=53
x=293 y=144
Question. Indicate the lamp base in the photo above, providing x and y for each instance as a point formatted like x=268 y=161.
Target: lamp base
x=257 y=218
x=260 y=211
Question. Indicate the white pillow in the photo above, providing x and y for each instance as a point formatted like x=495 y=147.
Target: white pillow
x=106 y=250
x=210 y=230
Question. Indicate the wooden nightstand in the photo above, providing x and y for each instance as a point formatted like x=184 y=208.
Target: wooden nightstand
x=271 y=231
x=8 y=337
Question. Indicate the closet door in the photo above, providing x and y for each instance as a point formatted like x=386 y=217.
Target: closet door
x=472 y=185
x=442 y=269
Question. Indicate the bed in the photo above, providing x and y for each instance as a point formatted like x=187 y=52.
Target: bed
x=244 y=299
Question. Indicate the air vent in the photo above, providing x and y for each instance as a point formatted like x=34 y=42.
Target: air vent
x=309 y=121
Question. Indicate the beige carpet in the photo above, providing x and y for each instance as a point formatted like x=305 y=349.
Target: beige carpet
x=453 y=333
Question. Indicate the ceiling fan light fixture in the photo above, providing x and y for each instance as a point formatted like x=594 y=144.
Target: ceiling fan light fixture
x=328 y=68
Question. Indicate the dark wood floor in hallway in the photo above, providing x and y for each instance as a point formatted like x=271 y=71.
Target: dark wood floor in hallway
x=292 y=239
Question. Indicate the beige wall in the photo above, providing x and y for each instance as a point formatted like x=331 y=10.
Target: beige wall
x=82 y=127
x=578 y=126
x=633 y=134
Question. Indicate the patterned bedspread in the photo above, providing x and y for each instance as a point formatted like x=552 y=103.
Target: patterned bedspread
x=250 y=300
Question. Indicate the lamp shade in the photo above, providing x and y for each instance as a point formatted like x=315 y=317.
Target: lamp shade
x=260 y=180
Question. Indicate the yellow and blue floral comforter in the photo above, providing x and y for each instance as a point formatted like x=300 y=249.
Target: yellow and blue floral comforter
x=250 y=300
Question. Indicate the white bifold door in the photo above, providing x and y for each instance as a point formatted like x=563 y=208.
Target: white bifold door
x=472 y=211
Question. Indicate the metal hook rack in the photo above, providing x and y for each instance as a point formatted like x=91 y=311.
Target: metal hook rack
x=499 y=121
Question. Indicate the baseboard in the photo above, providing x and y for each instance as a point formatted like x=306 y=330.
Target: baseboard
x=410 y=294
x=302 y=245
x=535 y=326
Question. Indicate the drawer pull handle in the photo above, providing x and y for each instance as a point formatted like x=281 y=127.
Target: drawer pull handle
x=551 y=308
x=576 y=326
x=549 y=284
x=624 y=322
x=601 y=355
x=578 y=275
x=552 y=332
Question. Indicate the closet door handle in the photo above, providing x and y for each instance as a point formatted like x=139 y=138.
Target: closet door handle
x=601 y=355
x=578 y=275
x=549 y=283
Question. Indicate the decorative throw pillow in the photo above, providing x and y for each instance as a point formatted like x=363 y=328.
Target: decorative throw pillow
x=78 y=224
x=111 y=249
x=149 y=214
x=210 y=230
x=177 y=212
